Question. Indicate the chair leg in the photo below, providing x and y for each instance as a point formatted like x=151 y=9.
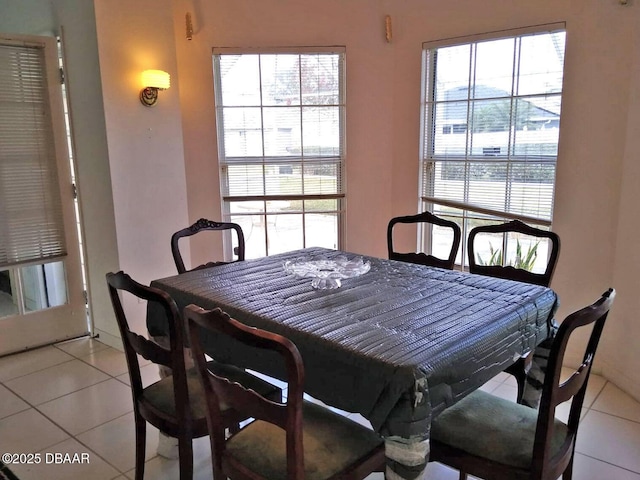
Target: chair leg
x=141 y=439
x=568 y=473
x=521 y=379
x=519 y=372
x=463 y=476
x=185 y=449
x=215 y=461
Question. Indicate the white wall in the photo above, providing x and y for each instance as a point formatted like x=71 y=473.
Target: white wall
x=84 y=84
x=383 y=94
x=619 y=354
x=145 y=143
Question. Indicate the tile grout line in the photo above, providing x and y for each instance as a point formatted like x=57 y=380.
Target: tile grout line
x=608 y=463
x=69 y=434
x=120 y=472
x=66 y=432
x=607 y=382
x=36 y=371
x=613 y=415
x=35 y=406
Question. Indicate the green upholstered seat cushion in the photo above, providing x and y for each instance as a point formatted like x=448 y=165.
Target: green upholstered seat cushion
x=493 y=428
x=331 y=443
x=160 y=394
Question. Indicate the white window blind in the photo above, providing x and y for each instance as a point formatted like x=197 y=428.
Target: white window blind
x=491 y=118
x=281 y=145
x=31 y=223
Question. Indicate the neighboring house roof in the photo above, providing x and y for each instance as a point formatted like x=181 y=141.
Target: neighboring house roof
x=543 y=108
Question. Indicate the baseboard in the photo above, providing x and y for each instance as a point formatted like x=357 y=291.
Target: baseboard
x=621 y=379
x=108 y=339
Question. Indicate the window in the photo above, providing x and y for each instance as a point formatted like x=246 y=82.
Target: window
x=490 y=126
x=32 y=235
x=31 y=222
x=280 y=117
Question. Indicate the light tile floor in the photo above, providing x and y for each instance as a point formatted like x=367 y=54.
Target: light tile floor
x=74 y=398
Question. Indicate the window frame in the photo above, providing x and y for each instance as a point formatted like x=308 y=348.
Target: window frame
x=463 y=211
x=265 y=160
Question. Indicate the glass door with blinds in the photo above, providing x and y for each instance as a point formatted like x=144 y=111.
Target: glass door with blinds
x=41 y=290
x=280 y=118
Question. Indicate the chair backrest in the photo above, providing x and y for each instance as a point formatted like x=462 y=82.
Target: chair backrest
x=204 y=224
x=135 y=344
x=554 y=392
x=420 y=257
x=287 y=416
x=514 y=272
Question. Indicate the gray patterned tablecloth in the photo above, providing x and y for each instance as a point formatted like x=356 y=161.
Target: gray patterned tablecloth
x=397 y=344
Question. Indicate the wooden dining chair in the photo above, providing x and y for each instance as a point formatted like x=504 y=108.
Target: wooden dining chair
x=515 y=269
x=175 y=405
x=421 y=257
x=495 y=439
x=201 y=225
x=291 y=440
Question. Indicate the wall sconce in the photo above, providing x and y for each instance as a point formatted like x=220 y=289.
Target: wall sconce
x=387 y=28
x=189 y=25
x=153 y=80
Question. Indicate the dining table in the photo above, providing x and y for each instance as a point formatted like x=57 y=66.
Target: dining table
x=398 y=343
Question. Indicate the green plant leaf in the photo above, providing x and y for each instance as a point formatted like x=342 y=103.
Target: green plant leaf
x=525 y=262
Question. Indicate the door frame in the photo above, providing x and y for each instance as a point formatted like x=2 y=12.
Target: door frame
x=32 y=329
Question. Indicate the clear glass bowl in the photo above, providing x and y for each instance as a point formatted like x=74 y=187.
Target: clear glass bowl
x=327 y=274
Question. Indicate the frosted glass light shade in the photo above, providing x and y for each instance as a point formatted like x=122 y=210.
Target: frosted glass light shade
x=156 y=79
